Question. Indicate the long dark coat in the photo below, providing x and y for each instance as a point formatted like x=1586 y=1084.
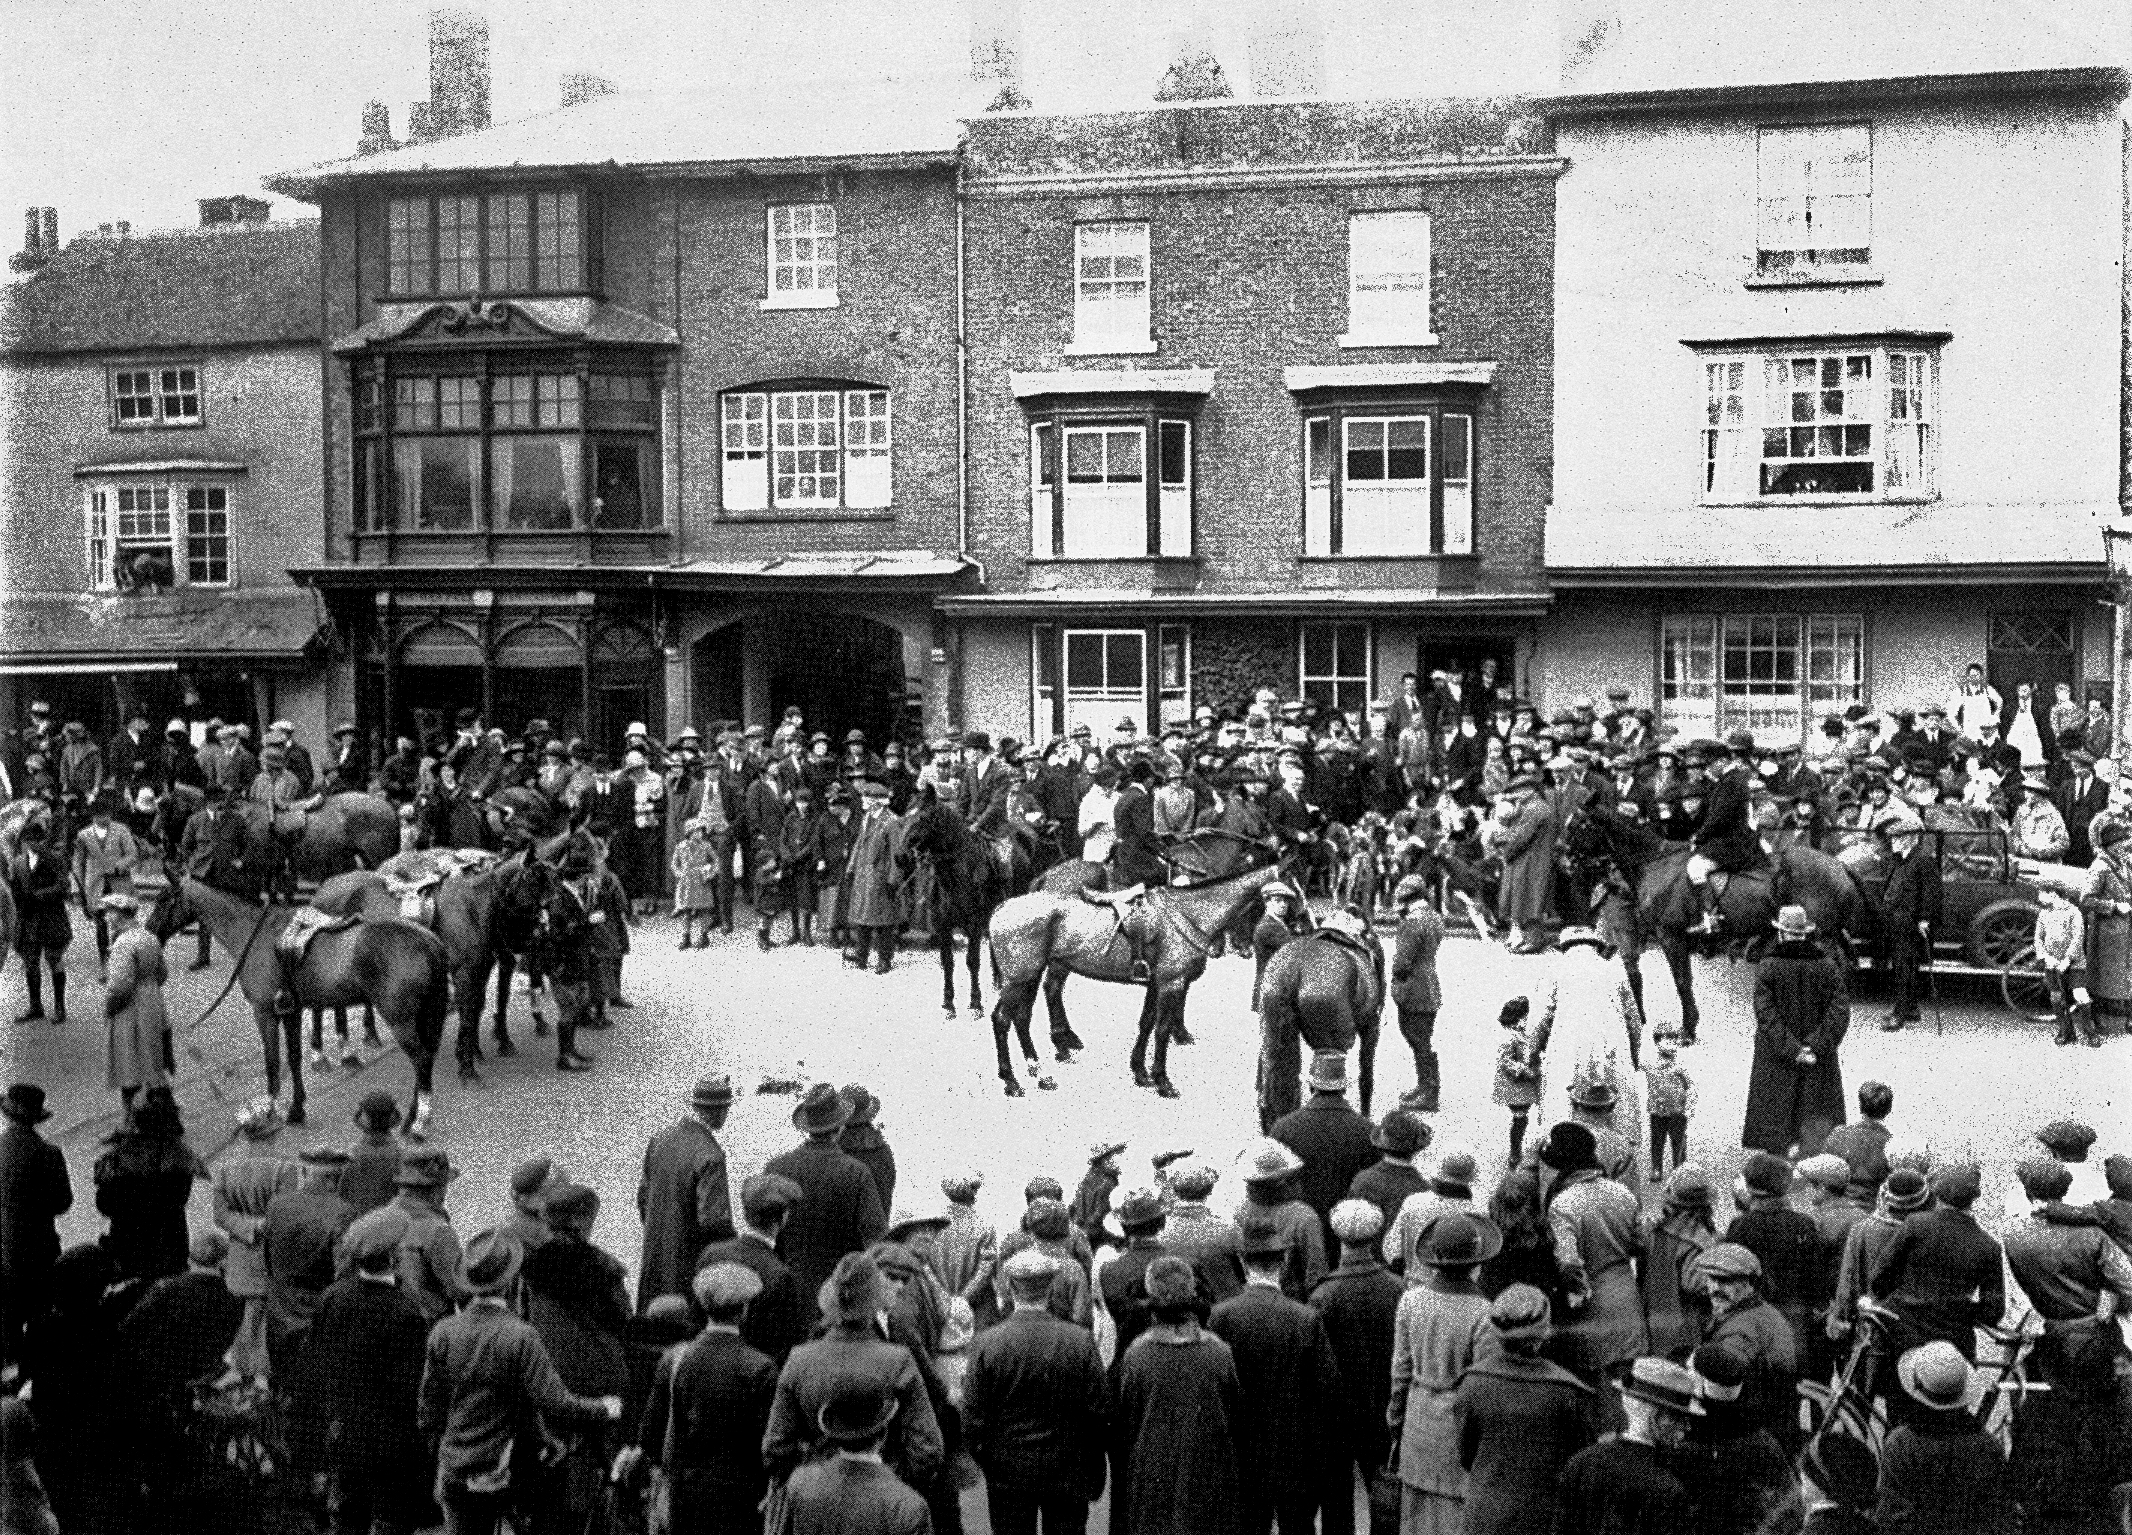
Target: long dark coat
x=1519 y=1420
x=1527 y=894
x=577 y=1300
x=39 y=887
x=1179 y=1407
x=839 y=1212
x=685 y=1202
x=866 y=1145
x=871 y=873
x=1359 y=1303
x=1292 y=1402
x=718 y=1392
x=1799 y=1002
x=367 y=1346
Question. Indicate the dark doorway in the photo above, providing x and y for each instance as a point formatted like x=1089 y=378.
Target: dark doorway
x=1461 y=656
x=845 y=673
x=2037 y=648
x=718 y=679
x=551 y=693
x=426 y=700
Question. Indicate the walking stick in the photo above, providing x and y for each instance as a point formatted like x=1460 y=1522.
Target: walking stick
x=1932 y=984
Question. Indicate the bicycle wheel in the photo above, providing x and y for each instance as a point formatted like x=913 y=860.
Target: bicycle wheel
x=2025 y=988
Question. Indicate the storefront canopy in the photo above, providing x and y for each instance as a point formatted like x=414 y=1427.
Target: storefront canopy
x=151 y=633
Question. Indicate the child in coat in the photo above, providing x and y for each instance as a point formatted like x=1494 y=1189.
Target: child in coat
x=1669 y=1102
x=1517 y=1070
x=799 y=849
x=695 y=871
x=2061 y=949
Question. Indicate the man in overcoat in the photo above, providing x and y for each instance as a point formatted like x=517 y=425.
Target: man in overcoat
x=1911 y=907
x=1035 y=1409
x=1290 y=1396
x=1178 y=1421
x=1358 y=1303
x=779 y=1318
x=1802 y=1010
x=839 y=1210
x=871 y=910
x=683 y=1197
x=1940 y=1273
x=34 y=1192
x=37 y=879
x=1334 y=1141
x=1415 y=990
x=1526 y=900
x=710 y=1402
x=1519 y=1419
x=367 y=1348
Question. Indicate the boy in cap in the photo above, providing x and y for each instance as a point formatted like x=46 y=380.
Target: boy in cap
x=1358 y=1303
x=709 y=1404
x=368 y=1341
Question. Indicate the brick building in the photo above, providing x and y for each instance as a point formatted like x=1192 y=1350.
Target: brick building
x=1260 y=394
x=160 y=467
x=1839 y=361
x=645 y=409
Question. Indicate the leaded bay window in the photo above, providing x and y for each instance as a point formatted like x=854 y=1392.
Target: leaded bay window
x=459 y=244
x=153 y=535
x=509 y=444
x=1110 y=487
x=1851 y=423
x=1388 y=479
x=818 y=448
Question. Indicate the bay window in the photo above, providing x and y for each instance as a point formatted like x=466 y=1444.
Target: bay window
x=1850 y=423
x=456 y=245
x=822 y=448
x=1110 y=486
x=153 y=535
x=1100 y=676
x=510 y=444
x=1388 y=479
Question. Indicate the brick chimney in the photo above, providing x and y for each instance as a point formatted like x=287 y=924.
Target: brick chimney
x=1286 y=48
x=40 y=242
x=996 y=51
x=458 y=71
x=377 y=129
x=236 y=209
x=580 y=86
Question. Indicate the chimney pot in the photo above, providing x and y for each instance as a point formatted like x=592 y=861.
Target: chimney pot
x=458 y=71
x=377 y=129
x=32 y=230
x=50 y=243
x=125 y=228
x=104 y=230
x=581 y=86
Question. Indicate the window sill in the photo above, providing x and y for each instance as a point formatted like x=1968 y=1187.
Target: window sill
x=157 y=426
x=1360 y=339
x=1418 y=554
x=1771 y=503
x=799 y=301
x=1114 y=559
x=814 y=514
x=658 y=530
x=1817 y=277
x=1113 y=349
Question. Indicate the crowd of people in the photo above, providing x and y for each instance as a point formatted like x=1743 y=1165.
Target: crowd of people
x=1371 y=1328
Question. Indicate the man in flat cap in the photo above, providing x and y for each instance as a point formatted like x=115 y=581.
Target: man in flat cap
x=779 y=1319
x=530 y=1182
x=709 y=1404
x=303 y=1226
x=1334 y=1142
x=1741 y=1318
x=683 y=1196
x=1625 y=1482
x=1036 y=1408
x=366 y=1358
x=1941 y=1274
x=1358 y=1302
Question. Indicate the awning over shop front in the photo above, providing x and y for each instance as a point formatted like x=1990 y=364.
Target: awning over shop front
x=152 y=633
x=798 y=571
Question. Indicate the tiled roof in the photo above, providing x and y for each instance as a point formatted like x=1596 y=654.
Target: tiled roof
x=877 y=122
x=229 y=286
x=223 y=624
x=572 y=319
x=1936 y=536
x=1714 y=44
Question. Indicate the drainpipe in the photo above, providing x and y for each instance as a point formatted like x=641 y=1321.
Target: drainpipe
x=962 y=378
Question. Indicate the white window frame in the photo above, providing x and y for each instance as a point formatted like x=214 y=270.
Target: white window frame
x=1098 y=706
x=172 y=524
x=1113 y=310
x=1106 y=518
x=1336 y=678
x=1813 y=196
x=172 y=396
x=1390 y=287
x=764 y=433
x=1707 y=681
x=1880 y=409
x=1407 y=492
x=792 y=280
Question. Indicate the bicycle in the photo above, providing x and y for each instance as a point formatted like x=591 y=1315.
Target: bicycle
x=1850 y=1402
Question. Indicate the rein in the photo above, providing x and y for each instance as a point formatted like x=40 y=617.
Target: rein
x=236 y=970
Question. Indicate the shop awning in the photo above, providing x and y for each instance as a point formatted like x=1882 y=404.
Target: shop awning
x=1345 y=602
x=828 y=569
x=152 y=633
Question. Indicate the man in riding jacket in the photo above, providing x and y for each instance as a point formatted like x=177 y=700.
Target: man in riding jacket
x=1726 y=840
x=983 y=794
x=566 y=952
x=1135 y=860
x=286 y=801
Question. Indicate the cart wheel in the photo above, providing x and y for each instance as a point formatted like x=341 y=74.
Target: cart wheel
x=2025 y=989
x=1999 y=933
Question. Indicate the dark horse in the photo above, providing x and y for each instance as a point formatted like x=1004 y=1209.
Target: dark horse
x=1042 y=937
x=1324 y=990
x=396 y=967
x=966 y=887
x=1667 y=906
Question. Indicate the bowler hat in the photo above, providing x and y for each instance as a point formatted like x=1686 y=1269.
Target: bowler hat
x=1401 y=1133
x=823 y=1111
x=712 y=1092
x=1660 y=1382
x=490 y=1263
x=725 y=1287
x=1720 y=1372
x=1261 y=1237
x=1936 y=1376
x=1328 y=1072
x=24 y=1103
x=1456 y=1239
x=1569 y=1147
x=1793 y=922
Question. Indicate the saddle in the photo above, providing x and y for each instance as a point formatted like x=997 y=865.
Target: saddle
x=1344 y=939
x=306 y=925
x=1119 y=902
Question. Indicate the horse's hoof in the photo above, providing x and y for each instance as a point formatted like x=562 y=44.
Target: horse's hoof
x=352 y=1060
x=318 y=1059
x=1141 y=1078
x=540 y=1027
x=1071 y=1041
x=468 y=1075
x=1164 y=1090
x=1047 y=1084
x=371 y=1039
x=1064 y=1056
x=948 y=1013
x=295 y=1114
x=504 y=1046
x=1182 y=1036
x=976 y=1011
x=1014 y=1088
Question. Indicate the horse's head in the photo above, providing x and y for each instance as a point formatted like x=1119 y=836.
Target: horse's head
x=929 y=831
x=171 y=910
x=1582 y=835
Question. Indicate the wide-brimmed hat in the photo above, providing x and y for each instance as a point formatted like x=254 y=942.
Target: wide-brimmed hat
x=1660 y=1382
x=425 y=1168
x=908 y=1222
x=1401 y=1133
x=490 y=1262
x=712 y=1092
x=1266 y=1160
x=822 y=1111
x=864 y=1105
x=23 y=1102
x=1139 y=1210
x=1935 y=1375
x=1457 y=1239
x=1592 y=1093
x=1793 y=922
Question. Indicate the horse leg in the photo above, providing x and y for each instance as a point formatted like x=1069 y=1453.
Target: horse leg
x=1632 y=964
x=1064 y=1041
x=1678 y=960
x=419 y=1107
x=1016 y=1000
x=370 y=1028
x=293 y=1030
x=269 y=1047
x=944 y=941
x=977 y=988
x=318 y=1036
x=536 y=983
x=1168 y=1010
x=505 y=965
x=1366 y=1049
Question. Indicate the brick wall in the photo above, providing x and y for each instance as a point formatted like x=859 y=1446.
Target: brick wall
x=1248 y=280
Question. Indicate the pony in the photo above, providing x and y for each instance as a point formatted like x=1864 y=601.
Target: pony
x=1667 y=905
x=1324 y=989
x=1042 y=937
x=396 y=967
x=966 y=887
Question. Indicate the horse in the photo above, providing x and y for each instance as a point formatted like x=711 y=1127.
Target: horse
x=1667 y=905
x=966 y=887
x=1042 y=937
x=1326 y=990
x=520 y=815
x=396 y=967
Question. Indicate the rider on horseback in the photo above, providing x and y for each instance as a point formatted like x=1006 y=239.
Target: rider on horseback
x=1135 y=862
x=1726 y=841
x=287 y=802
x=985 y=793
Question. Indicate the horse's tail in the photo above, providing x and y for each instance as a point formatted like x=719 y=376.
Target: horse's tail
x=436 y=1003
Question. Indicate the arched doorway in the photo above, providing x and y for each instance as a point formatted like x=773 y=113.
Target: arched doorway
x=627 y=683
x=437 y=673
x=539 y=674
x=844 y=672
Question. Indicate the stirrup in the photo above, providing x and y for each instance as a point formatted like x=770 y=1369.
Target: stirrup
x=1141 y=972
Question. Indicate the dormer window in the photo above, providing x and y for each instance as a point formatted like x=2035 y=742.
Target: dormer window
x=155 y=396
x=456 y=244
